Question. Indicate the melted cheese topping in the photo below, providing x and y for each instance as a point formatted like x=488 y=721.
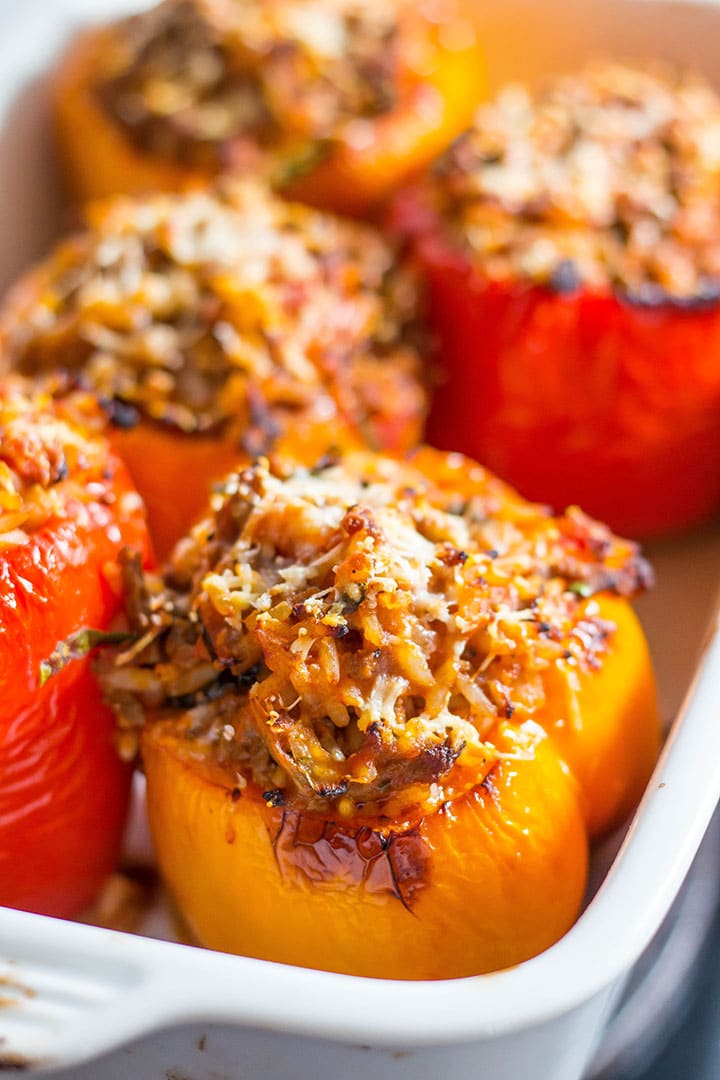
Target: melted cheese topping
x=610 y=178
x=227 y=309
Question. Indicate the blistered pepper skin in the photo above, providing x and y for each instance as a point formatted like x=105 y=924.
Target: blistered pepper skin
x=488 y=881
x=575 y=397
x=99 y=159
x=63 y=787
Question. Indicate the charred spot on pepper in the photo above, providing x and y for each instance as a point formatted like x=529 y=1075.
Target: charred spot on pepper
x=565 y=279
x=452 y=556
x=330 y=855
x=488 y=785
x=410 y=862
x=654 y=297
x=61 y=472
x=328 y=461
x=262 y=429
x=121 y=414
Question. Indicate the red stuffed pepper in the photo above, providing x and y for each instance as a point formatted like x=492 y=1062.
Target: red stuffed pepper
x=570 y=244
x=67 y=508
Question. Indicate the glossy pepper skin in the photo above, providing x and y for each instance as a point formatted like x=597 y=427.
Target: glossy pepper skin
x=605 y=724
x=100 y=159
x=460 y=892
x=63 y=787
x=573 y=396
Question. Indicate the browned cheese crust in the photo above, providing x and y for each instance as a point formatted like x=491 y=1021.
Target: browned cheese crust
x=609 y=178
x=225 y=311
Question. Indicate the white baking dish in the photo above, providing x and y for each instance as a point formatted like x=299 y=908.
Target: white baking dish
x=71 y=992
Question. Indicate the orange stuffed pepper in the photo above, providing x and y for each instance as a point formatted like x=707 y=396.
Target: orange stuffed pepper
x=333 y=102
x=217 y=325
x=67 y=508
x=383 y=705
x=570 y=245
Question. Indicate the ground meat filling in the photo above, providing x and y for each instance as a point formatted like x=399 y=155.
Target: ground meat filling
x=610 y=179
x=50 y=467
x=206 y=81
x=353 y=634
x=226 y=310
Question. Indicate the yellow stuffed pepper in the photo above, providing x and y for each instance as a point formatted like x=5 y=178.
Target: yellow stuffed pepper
x=335 y=101
x=383 y=707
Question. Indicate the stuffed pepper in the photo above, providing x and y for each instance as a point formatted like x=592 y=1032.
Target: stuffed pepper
x=570 y=243
x=67 y=508
x=219 y=325
x=383 y=705
x=334 y=101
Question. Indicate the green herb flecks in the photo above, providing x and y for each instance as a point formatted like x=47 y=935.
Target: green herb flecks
x=581 y=588
x=77 y=646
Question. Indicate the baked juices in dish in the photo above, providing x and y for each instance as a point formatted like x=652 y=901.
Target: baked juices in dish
x=570 y=243
x=382 y=708
x=333 y=101
x=67 y=508
x=218 y=325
